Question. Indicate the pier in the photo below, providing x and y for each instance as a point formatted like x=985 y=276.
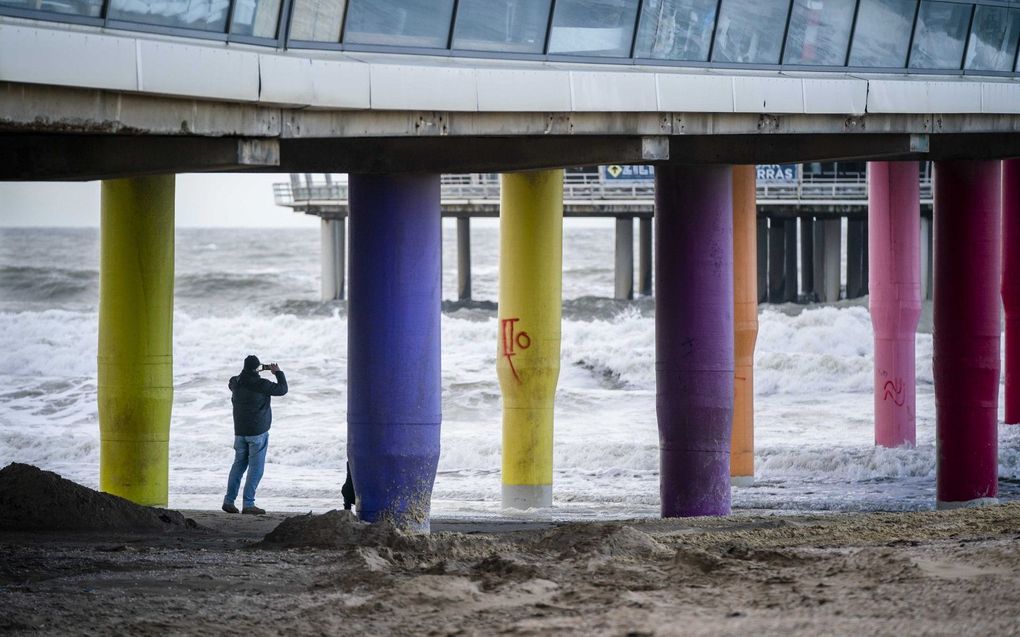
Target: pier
x=796 y=205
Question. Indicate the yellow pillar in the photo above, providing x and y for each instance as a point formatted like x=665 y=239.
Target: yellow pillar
x=136 y=302
x=745 y=322
x=528 y=346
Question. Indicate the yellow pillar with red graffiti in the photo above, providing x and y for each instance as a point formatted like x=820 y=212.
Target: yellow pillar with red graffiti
x=528 y=344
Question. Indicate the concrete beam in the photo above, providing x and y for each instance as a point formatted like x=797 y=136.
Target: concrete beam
x=464 y=155
x=761 y=148
x=73 y=157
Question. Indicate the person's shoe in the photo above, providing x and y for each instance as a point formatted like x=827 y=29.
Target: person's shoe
x=253 y=510
x=230 y=508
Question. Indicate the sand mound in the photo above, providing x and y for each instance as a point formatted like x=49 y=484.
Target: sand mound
x=600 y=540
x=339 y=530
x=35 y=500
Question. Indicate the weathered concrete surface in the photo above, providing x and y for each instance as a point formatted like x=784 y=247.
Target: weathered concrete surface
x=49 y=132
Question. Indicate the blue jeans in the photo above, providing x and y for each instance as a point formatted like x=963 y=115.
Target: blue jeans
x=250 y=454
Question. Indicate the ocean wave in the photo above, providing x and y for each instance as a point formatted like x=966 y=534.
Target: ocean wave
x=50 y=286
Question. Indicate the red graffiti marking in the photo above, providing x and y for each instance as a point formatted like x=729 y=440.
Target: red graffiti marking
x=894 y=390
x=512 y=341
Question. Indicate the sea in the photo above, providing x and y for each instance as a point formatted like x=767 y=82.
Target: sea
x=252 y=290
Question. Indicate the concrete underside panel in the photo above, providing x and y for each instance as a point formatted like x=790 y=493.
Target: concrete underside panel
x=54 y=132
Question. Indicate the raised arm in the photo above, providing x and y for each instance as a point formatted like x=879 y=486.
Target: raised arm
x=279 y=388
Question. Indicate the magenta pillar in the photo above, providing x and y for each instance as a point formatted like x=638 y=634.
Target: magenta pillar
x=966 y=334
x=894 y=279
x=1011 y=283
x=694 y=337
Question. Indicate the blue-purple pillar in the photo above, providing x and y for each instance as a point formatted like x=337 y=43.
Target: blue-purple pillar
x=393 y=378
x=694 y=337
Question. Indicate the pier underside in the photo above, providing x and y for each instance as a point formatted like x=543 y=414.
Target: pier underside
x=63 y=133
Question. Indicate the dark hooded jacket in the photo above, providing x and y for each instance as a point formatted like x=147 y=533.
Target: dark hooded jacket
x=250 y=396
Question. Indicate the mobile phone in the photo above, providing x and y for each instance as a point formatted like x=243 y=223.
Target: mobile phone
x=265 y=368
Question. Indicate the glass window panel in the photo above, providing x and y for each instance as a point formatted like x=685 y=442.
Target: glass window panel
x=501 y=25
x=819 y=32
x=882 y=33
x=257 y=18
x=593 y=27
x=316 y=20
x=993 y=38
x=207 y=15
x=424 y=23
x=90 y=8
x=939 y=35
x=676 y=29
x=750 y=31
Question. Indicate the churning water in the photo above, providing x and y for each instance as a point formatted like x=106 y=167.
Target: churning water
x=256 y=290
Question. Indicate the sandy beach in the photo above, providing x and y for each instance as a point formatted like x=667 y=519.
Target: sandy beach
x=949 y=573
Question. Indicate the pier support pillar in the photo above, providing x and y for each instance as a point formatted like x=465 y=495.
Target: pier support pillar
x=624 y=289
x=894 y=207
x=135 y=354
x=856 y=258
x=528 y=350
x=1011 y=284
x=827 y=257
x=694 y=363
x=924 y=247
x=807 y=258
x=333 y=257
x=818 y=259
x=463 y=258
x=966 y=331
x=745 y=323
x=777 y=260
x=790 y=265
x=393 y=336
x=762 y=225
x=645 y=256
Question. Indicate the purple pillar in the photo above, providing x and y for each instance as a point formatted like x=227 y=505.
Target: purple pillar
x=393 y=382
x=966 y=334
x=1011 y=283
x=894 y=218
x=694 y=337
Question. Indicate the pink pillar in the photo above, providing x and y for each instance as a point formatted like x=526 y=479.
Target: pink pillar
x=1011 y=283
x=966 y=334
x=894 y=218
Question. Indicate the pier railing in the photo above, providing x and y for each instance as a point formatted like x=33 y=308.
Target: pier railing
x=585 y=188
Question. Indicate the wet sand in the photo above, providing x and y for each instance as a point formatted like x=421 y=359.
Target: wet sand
x=947 y=573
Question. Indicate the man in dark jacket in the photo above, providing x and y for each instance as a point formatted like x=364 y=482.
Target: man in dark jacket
x=250 y=395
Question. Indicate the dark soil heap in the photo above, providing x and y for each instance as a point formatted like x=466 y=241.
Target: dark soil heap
x=35 y=500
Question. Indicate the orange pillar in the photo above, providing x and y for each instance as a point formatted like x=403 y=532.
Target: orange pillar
x=745 y=322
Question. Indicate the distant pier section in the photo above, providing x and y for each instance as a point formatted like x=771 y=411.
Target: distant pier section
x=801 y=210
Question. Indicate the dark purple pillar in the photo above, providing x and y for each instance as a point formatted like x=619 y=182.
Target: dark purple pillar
x=694 y=337
x=966 y=331
x=1011 y=284
x=393 y=382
